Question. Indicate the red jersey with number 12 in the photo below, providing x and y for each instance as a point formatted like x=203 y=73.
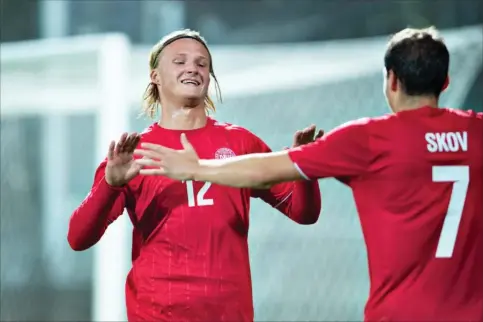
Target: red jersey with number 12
x=417 y=180
x=190 y=239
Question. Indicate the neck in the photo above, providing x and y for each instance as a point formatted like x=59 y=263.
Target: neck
x=183 y=118
x=412 y=103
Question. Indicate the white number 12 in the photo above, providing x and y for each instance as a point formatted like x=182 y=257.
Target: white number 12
x=460 y=176
x=200 y=196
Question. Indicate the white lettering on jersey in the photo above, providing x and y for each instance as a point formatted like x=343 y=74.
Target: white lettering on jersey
x=447 y=141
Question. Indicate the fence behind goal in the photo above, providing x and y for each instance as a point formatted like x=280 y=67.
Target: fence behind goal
x=63 y=100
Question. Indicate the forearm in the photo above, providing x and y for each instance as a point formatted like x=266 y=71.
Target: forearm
x=259 y=170
x=90 y=220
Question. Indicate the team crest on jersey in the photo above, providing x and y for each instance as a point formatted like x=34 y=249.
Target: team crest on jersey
x=224 y=153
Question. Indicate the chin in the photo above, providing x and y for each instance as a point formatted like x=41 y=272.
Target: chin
x=192 y=100
x=192 y=94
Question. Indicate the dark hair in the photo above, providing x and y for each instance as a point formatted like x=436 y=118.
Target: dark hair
x=420 y=61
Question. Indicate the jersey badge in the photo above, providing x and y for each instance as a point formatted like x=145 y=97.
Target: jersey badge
x=224 y=153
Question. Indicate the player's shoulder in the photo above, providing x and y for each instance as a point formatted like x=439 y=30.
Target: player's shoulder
x=358 y=123
x=361 y=130
x=246 y=140
x=233 y=130
x=459 y=112
x=149 y=131
x=229 y=127
x=354 y=127
x=464 y=114
x=469 y=119
x=156 y=134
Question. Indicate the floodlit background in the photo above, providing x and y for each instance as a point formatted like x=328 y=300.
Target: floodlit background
x=72 y=76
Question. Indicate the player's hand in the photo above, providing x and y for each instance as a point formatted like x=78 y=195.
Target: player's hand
x=176 y=164
x=306 y=136
x=120 y=167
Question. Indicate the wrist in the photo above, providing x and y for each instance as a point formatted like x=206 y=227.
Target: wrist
x=196 y=172
x=106 y=186
x=115 y=185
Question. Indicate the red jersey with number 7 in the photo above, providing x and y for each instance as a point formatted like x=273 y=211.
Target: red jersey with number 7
x=417 y=180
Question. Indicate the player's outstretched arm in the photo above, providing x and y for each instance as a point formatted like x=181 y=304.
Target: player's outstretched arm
x=260 y=170
x=343 y=153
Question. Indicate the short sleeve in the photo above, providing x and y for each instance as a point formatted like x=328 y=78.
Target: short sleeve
x=343 y=153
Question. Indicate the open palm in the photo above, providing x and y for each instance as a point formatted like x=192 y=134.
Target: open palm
x=163 y=161
x=306 y=136
x=120 y=167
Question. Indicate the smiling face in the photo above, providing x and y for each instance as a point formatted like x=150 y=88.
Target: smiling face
x=183 y=71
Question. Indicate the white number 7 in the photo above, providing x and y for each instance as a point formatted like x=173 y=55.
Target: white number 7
x=200 y=196
x=460 y=176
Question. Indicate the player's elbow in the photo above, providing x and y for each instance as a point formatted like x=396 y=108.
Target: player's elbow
x=77 y=247
x=308 y=217
x=79 y=239
x=76 y=244
x=306 y=211
x=80 y=244
x=312 y=214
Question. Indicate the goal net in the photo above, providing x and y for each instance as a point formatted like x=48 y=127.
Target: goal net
x=62 y=101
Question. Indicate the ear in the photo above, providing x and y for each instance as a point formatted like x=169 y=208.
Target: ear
x=446 y=84
x=154 y=76
x=392 y=81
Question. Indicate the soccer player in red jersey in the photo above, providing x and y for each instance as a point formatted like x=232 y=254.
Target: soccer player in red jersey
x=190 y=251
x=417 y=180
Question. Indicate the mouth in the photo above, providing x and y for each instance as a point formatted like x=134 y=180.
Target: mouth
x=191 y=82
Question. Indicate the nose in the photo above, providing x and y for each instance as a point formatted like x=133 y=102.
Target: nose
x=191 y=68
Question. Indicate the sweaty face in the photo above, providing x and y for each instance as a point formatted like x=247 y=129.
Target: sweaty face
x=184 y=70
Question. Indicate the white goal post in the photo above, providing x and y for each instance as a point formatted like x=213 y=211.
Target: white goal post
x=105 y=75
x=55 y=77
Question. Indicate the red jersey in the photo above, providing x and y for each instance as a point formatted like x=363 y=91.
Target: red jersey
x=417 y=180
x=190 y=249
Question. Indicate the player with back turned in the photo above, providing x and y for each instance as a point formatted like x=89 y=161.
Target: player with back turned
x=417 y=180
